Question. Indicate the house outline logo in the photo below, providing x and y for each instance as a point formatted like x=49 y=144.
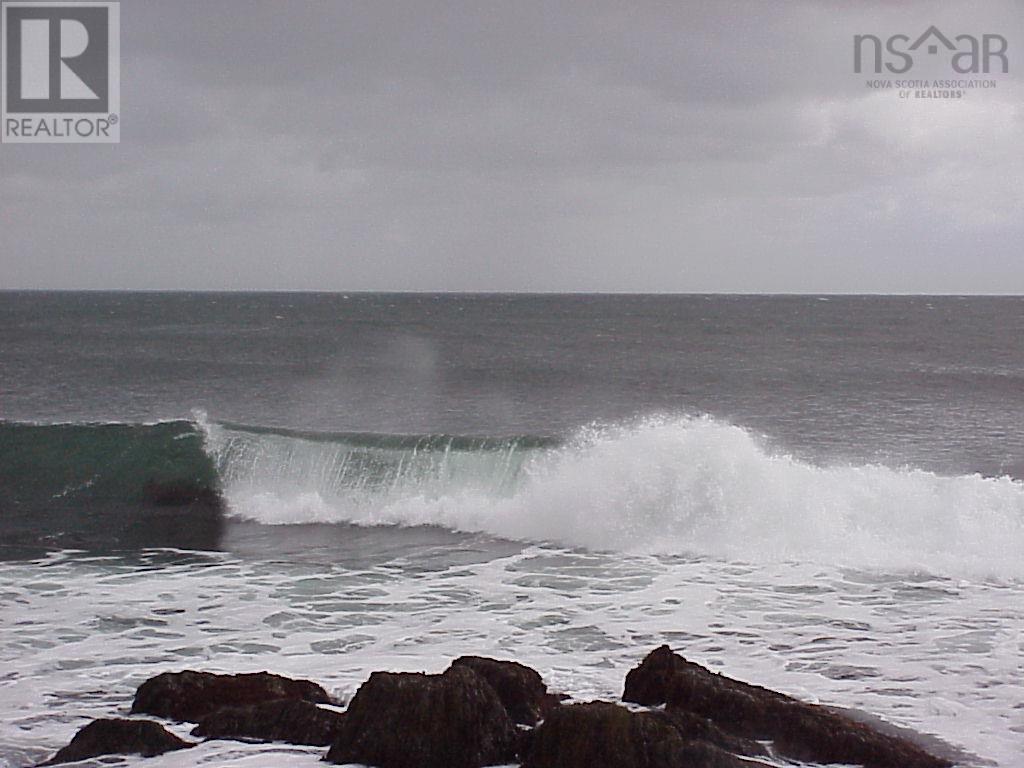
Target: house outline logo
x=933 y=31
x=61 y=72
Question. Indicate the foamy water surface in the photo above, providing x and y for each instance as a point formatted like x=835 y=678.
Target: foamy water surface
x=940 y=655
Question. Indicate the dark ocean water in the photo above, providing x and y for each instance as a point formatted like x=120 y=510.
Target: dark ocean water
x=822 y=494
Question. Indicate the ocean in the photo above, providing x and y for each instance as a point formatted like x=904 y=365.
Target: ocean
x=823 y=495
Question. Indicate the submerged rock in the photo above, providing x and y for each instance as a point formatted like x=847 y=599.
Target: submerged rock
x=520 y=688
x=287 y=720
x=797 y=730
x=412 y=720
x=191 y=696
x=117 y=736
x=611 y=736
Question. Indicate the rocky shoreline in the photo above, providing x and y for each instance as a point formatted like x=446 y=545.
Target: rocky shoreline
x=479 y=712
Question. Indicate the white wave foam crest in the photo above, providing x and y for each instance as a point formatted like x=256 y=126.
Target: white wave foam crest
x=670 y=486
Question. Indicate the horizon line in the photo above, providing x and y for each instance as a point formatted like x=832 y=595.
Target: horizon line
x=427 y=292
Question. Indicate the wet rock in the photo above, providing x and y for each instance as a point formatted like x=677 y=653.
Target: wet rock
x=648 y=682
x=600 y=733
x=815 y=734
x=694 y=727
x=797 y=730
x=191 y=696
x=520 y=688
x=118 y=737
x=291 y=721
x=412 y=720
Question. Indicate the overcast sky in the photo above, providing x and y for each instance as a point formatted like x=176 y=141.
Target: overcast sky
x=572 y=146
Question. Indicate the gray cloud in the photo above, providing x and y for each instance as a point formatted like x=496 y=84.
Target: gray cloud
x=526 y=146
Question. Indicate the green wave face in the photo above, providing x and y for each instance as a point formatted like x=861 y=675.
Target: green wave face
x=84 y=486
x=47 y=465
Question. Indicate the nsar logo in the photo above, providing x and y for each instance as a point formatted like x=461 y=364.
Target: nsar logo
x=967 y=54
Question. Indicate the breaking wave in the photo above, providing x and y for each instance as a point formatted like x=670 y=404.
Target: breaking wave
x=669 y=486
x=690 y=486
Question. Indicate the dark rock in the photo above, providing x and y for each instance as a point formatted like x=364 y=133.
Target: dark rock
x=611 y=736
x=192 y=695
x=520 y=688
x=179 y=493
x=797 y=730
x=647 y=683
x=592 y=734
x=812 y=733
x=288 y=720
x=694 y=727
x=693 y=753
x=524 y=740
x=412 y=720
x=118 y=737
